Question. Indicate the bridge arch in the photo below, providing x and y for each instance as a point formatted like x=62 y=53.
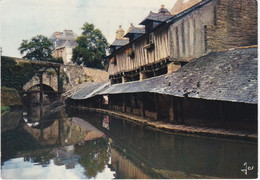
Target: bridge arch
x=33 y=95
x=49 y=79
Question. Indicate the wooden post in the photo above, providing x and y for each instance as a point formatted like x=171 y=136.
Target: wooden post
x=123 y=79
x=142 y=76
x=156 y=101
x=142 y=107
x=180 y=110
x=141 y=102
x=124 y=103
x=171 y=110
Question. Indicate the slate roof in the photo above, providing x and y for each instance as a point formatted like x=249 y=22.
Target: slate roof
x=132 y=87
x=120 y=42
x=135 y=30
x=64 y=43
x=226 y=76
x=156 y=17
x=67 y=38
x=87 y=90
x=65 y=35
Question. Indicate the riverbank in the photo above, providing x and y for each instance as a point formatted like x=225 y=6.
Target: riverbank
x=181 y=129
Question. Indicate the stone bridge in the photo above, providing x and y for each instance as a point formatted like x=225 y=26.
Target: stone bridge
x=70 y=76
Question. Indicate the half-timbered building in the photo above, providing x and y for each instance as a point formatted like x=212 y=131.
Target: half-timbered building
x=194 y=65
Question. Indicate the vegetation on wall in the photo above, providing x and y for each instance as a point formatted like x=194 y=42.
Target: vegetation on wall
x=9 y=97
x=4 y=109
x=15 y=75
x=91 y=49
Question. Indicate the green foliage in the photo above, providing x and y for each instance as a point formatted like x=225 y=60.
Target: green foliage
x=15 y=75
x=58 y=60
x=5 y=109
x=91 y=49
x=39 y=48
x=94 y=156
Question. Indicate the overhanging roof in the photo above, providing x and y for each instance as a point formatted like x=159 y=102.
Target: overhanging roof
x=224 y=76
x=160 y=17
x=120 y=42
x=135 y=30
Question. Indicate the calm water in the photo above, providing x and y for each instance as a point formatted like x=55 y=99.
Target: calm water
x=42 y=143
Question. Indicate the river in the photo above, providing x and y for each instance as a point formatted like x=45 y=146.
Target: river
x=51 y=142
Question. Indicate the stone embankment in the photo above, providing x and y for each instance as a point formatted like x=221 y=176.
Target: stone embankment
x=182 y=129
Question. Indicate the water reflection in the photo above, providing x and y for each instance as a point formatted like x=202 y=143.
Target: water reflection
x=95 y=156
x=53 y=144
x=163 y=155
x=11 y=120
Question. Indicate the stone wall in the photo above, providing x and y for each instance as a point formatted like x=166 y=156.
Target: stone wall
x=78 y=74
x=220 y=24
x=235 y=24
x=71 y=75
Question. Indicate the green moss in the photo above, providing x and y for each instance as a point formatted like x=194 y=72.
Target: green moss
x=5 y=109
x=10 y=97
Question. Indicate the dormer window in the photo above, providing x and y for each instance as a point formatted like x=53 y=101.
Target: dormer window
x=134 y=32
x=154 y=19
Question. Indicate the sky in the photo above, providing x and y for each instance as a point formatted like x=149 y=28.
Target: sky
x=24 y=19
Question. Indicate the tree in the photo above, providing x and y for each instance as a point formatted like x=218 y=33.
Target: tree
x=39 y=48
x=91 y=49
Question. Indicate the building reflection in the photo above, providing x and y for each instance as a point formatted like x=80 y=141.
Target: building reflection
x=126 y=169
x=65 y=156
x=162 y=155
x=131 y=150
x=55 y=128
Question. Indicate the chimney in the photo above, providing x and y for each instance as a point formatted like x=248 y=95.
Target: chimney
x=120 y=33
x=163 y=10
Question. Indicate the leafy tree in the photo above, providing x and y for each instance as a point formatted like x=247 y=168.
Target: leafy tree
x=92 y=47
x=94 y=156
x=38 y=48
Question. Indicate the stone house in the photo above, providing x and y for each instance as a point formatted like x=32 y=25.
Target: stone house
x=63 y=42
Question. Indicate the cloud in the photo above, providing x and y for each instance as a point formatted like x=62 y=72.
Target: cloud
x=23 y=19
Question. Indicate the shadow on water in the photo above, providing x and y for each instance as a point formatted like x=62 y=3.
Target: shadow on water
x=95 y=145
x=176 y=156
